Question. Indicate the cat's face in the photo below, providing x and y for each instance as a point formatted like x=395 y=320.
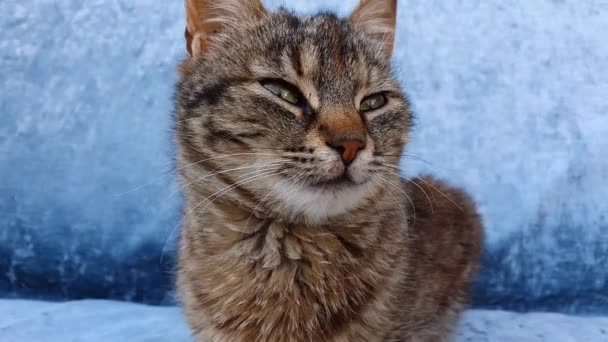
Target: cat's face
x=300 y=115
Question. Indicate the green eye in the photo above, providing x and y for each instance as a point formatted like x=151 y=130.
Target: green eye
x=289 y=96
x=283 y=91
x=372 y=102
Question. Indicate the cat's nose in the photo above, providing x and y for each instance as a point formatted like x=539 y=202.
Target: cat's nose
x=347 y=147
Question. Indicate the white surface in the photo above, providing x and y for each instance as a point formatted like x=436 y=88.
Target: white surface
x=96 y=321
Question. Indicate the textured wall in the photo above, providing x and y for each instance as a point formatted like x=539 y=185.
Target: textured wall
x=511 y=100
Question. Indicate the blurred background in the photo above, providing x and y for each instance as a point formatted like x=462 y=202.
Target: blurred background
x=511 y=101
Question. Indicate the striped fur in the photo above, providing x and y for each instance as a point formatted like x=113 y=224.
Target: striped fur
x=273 y=247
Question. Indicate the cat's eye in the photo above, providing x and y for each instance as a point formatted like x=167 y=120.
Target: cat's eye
x=372 y=102
x=284 y=91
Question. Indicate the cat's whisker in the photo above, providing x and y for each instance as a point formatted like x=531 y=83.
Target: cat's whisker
x=224 y=190
x=419 y=159
x=430 y=185
x=217 y=194
x=397 y=200
x=425 y=194
x=154 y=180
x=300 y=177
x=418 y=186
x=375 y=200
x=226 y=156
x=442 y=193
x=274 y=187
x=409 y=156
x=271 y=149
x=171 y=172
x=292 y=192
x=206 y=176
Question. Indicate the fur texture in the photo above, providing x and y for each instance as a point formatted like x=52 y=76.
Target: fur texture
x=283 y=238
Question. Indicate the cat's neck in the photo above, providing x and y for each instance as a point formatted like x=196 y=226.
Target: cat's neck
x=270 y=236
x=247 y=216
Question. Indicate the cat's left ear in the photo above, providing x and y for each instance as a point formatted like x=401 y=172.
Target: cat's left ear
x=206 y=18
x=378 y=19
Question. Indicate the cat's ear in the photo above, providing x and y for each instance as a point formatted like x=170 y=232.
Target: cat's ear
x=378 y=19
x=204 y=18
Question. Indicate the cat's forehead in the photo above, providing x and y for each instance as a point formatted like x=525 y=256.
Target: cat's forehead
x=331 y=37
x=324 y=49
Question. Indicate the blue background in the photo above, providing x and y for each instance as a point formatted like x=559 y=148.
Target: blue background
x=511 y=100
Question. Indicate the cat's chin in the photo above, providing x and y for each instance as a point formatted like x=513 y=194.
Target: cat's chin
x=318 y=202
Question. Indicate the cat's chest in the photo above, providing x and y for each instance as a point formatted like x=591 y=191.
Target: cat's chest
x=297 y=263
x=309 y=277
x=276 y=246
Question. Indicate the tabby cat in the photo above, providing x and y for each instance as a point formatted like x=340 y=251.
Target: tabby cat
x=297 y=225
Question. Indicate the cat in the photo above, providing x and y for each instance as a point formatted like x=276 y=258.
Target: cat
x=297 y=225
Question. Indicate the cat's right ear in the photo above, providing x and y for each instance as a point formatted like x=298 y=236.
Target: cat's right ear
x=205 y=18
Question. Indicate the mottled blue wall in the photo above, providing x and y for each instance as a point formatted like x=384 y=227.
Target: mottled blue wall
x=511 y=100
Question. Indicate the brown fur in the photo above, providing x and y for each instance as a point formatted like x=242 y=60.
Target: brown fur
x=280 y=240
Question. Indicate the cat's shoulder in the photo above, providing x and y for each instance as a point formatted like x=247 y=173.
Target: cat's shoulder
x=442 y=210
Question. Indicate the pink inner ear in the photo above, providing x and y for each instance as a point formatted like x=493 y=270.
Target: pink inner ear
x=195 y=44
x=188 y=37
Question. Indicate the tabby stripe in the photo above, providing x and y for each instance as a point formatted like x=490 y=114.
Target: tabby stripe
x=239 y=189
x=210 y=94
x=296 y=63
x=250 y=135
x=214 y=134
x=352 y=248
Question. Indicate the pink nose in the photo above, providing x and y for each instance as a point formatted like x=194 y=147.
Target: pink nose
x=347 y=147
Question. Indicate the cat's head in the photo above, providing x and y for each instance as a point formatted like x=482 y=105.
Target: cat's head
x=298 y=115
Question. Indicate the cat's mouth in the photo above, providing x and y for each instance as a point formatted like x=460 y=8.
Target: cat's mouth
x=341 y=181
x=335 y=179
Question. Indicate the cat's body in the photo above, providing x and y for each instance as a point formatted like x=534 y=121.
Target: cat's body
x=297 y=224
x=372 y=278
